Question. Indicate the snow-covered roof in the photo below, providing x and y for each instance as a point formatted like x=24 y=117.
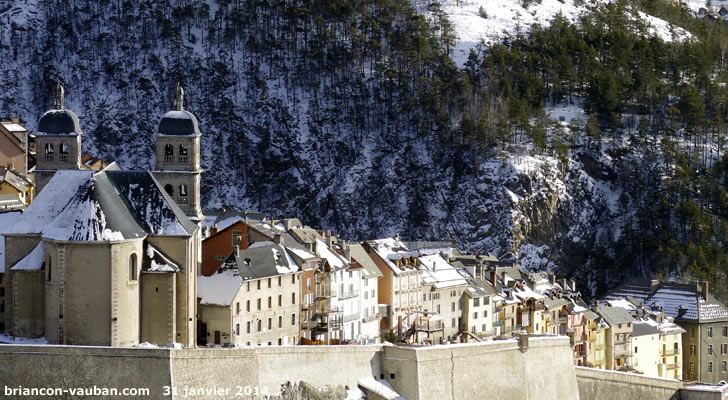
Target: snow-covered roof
x=335 y=261
x=439 y=273
x=380 y=387
x=50 y=201
x=178 y=123
x=156 y=261
x=220 y=288
x=390 y=250
x=261 y=260
x=13 y=127
x=33 y=261
x=6 y=221
x=360 y=255
x=108 y=205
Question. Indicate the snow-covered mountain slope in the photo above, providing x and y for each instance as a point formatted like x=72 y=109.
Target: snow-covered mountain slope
x=488 y=21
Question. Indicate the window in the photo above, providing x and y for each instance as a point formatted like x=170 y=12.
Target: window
x=710 y=349
x=710 y=366
x=293 y=319
x=238 y=240
x=723 y=366
x=280 y=300
x=724 y=348
x=248 y=286
x=270 y=323
x=475 y=315
x=183 y=193
x=49 y=148
x=168 y=150
x=293 y=298
x=635 y=349
x=308 y=284
x=182 y=154
x=692 y=349
x=452 y=307
x=270 y=302
x=237 y=308
x=280 y=321
x=48 y=269
x=260 y=325
x=237 y=329
x=247 y=305
x=710 y=332
x=476 y=302
x=258 y=285
x=692 y=368
x=270 y=283
x=293 y=278
x=247 y=327
x=438 y=308
x=133 y=267
x=453 y=323
x=169 y=189
x=259 y=304
x=280 y=281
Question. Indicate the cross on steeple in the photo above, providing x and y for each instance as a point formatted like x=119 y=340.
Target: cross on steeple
x=58 y=96
x=179 y=98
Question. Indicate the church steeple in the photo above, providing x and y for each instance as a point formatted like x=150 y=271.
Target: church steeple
x=58 y=96
x=178 y=156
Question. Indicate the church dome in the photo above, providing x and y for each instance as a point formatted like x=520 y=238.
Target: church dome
x=59 y=122
x=179 y=123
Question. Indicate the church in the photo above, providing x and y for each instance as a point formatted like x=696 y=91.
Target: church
x=110 y=257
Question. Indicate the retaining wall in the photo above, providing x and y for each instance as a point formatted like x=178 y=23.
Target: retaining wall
x=598 y=384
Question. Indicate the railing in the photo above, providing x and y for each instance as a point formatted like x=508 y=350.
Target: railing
x=429 y=325
x=371 y=317
x=182 y=159
x=183 y=200
x=497 y=323
x=168 y=158
x=49 y=157
x=349 y=294
x=310 y=323
x=63 y=157
x=673 y=366
x=601 y=346
x=670 y=352
x=307 y=306
x=352 y=317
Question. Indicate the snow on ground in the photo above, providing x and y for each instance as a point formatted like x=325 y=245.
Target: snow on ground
x=6 y=339
x=508 y=18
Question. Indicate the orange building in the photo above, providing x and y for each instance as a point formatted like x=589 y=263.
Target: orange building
x=217 y=247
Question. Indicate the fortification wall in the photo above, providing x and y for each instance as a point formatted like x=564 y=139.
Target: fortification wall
x=68 y=367
x=597 y=384
x=481 y=370
x=498 y=370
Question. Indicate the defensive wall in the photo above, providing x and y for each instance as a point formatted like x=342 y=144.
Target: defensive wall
x=537 y=368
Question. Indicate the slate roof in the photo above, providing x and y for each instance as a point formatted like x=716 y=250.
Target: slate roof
x=370 y=267
x=103 y=206
x=640 y=289
x=59 y=122
x=263 y=261
x=640 y=328
x=179 y=123
x=615 y=315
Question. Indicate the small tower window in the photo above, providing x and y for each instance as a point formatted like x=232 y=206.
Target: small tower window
x=63 y=156
x=182 y=154
x=133 y=267
x=183 y=194
x=169 y=189
x=48 y=269
x=49 y=151
x=168 y=153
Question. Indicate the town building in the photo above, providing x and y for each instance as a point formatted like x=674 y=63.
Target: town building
x=619 y=321
x=252 y=299
x=16 y=189
x=370 y=275
x=17 y=147
x=443 y=290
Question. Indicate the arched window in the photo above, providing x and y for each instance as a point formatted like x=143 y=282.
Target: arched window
x=64 y=148
x=183 y=194
x=169 y=189
x=49 y=148
x=63 y=156
x=168 y=153
x=133 y=267
x=182 y=154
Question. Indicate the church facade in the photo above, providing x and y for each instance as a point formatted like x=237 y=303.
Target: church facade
x=108 y=257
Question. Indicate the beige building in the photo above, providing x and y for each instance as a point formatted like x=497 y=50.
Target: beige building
x=252 y=299
x=618 y=354
x=370 y=275
x=401 y=287
x=99 y=258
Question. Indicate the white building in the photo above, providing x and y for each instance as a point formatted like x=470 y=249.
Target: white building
x=368 y=296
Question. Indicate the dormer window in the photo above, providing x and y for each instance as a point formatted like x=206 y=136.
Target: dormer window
x=168 y=153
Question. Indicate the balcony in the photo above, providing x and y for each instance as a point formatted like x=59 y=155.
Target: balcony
x=321 y=295
x=601 y=346
x=63 y=158
x=168 y=158
x=307 y=306
x=670 y=352
x=429 y=326
x=49 y=157
x=349 y=294
x=182 y=159
x=371 y=317
x=309 y=324
x=497 y=323
x=673 y=366
x=352 y=317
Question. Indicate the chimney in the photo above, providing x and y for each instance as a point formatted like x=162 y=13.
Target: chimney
x=237 y=251
x=704 y=289
x=573 y=285
x=278 y=238
x=329 y=239
x=492 y=276
x=15 y=120
x=347 y=253
x=552 y=278
x=564 y=285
